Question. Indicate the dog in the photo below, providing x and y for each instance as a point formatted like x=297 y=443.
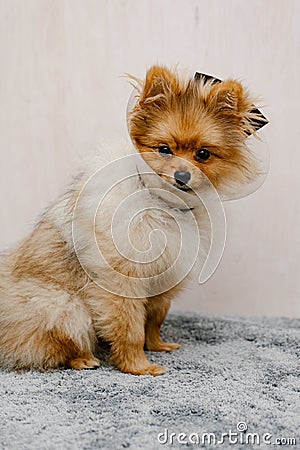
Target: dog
x=57 y=297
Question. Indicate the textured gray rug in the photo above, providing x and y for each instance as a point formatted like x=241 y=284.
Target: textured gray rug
x=230 y=372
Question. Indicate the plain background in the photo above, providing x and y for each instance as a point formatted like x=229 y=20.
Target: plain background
x=61 y=93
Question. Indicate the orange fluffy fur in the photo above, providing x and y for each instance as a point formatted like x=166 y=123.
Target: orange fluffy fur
x=51 y=313
x=189 y=114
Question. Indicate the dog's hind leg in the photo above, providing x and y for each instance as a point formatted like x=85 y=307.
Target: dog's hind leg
x=47 y=330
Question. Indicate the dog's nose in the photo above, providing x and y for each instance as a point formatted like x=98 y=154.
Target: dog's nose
x=182 y=177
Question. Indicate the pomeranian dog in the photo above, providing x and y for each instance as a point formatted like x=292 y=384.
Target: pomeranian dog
x=58 y=297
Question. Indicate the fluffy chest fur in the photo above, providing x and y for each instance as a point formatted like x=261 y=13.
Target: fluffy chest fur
x=131 y=236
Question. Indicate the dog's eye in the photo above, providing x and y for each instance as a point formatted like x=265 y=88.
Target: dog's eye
x=165 y=150
x=202 y=155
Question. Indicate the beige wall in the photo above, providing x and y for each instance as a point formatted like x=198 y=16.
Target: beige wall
x=61 y=93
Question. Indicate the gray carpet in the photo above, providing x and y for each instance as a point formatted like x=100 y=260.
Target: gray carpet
x=229 y=370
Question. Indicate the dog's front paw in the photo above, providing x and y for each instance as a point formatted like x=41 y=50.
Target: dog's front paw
x=162 y=346
x=153 y=369
x=84 y=362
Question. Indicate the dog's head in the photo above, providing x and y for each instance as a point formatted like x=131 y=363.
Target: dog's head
x=190 y=129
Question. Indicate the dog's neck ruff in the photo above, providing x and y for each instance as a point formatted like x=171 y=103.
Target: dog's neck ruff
x=169 y=205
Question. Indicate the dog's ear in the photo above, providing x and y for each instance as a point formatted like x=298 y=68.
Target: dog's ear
x=159 y=82
x=233 y=103
x=229 y=97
